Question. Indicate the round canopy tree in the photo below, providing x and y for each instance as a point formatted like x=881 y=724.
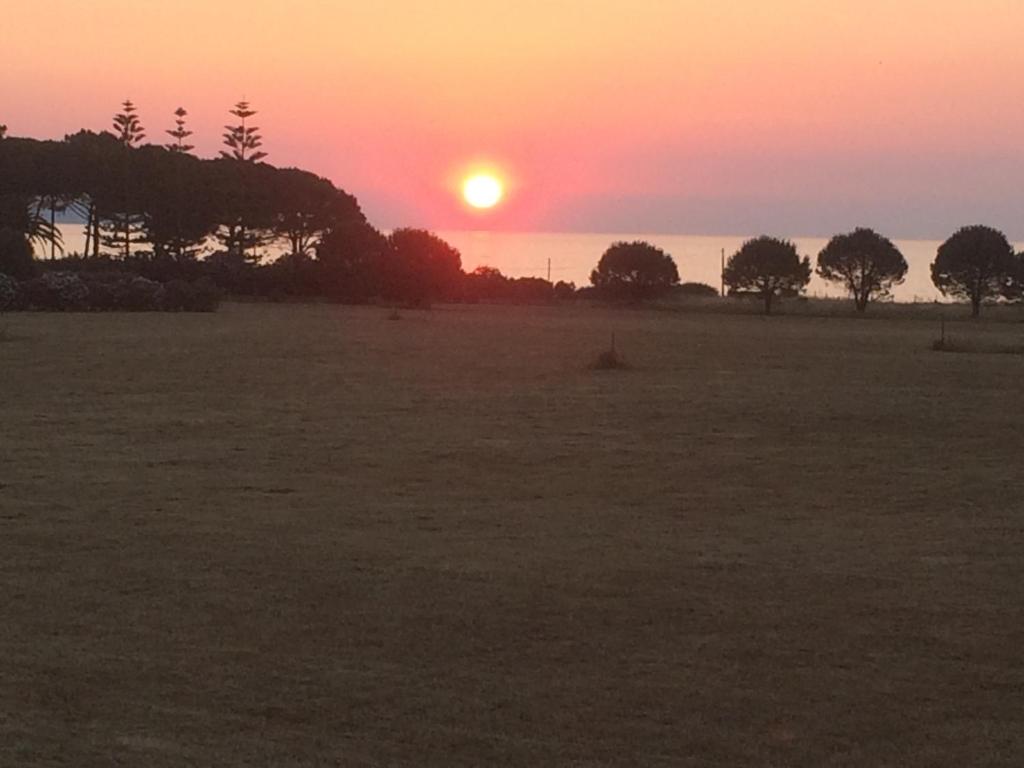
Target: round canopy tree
x=767 y=267
x=865 y=263
x=422 y=267
x=976 y=263
x=636 y=270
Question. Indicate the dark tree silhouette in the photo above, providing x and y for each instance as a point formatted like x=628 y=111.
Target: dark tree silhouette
x=976 y=263
x=867 y=264
x=310 y=205
x=636 y=270
x=178 y=209
x=243 y=141
x=240 y=234
x=421 y=267
x=15 y=254
x=180 y=133
x=176 y=229
x=352 y=259
x=127 y=125
x=91 y=186
x=122 y=228
x=767 y=267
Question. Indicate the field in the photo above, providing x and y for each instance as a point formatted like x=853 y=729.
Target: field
x=311 y=535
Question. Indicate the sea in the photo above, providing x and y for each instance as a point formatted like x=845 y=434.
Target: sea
x=570 y=256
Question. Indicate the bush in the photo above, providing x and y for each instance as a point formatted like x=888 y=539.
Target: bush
x=8 y=293
x=59 y=291
x=203 y=295
x=177 y=296
x=564 y=291
x=104 y=289
x=139 y=295
x=696 y=289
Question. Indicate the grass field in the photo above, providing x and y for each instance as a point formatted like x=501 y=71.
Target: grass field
x=305 y=536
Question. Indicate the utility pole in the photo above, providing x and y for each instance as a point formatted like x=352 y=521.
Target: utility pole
x=723 y=273
x=549 y=269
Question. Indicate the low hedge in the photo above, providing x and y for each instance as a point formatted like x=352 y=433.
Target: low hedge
x=106 y=292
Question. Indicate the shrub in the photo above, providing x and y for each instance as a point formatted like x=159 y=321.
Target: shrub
x=60 y=291
x=205 y=296
x=177 y=296
x=564 y=291
x=139 y=295
x=8 y=293
x=104 y=289
x=696 y=289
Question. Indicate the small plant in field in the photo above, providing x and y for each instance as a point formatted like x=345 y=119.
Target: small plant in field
x=610 y=359
x=394 y=315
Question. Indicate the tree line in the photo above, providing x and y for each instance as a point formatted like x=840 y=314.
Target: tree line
x=976 y=264
x=160 y=213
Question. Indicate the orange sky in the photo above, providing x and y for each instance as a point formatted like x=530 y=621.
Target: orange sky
x=793 y=117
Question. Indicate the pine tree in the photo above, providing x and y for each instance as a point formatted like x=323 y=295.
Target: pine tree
x=122 y=229
x=179 y=133
x=127 y=126
x=243 y=141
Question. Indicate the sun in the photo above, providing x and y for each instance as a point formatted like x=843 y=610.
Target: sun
x=483 y=190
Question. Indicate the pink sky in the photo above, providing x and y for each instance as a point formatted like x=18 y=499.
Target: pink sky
x=791 y=117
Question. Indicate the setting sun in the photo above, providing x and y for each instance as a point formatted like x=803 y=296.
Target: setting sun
x=483 y=190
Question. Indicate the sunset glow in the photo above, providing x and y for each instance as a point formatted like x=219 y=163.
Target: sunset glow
x=687 y=116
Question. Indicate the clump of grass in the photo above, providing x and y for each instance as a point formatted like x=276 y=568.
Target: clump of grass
x=610 y=359
x=395 y=315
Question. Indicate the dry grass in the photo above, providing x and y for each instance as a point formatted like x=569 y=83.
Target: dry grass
x=978 y=348
x=300 y=536
x=841 y=308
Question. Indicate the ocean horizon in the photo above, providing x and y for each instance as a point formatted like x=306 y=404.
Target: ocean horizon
x=570 y=256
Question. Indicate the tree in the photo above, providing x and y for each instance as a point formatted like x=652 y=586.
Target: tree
x=15 y=255
x=352 y=258
x=122 y=227
x=90 y=156
x=243 y=141
x=179 y=133
x=127 y=125
x=767 y=267
x=636 y=270
x=178 y=214
x=24 y=217
x=421 y=267
x=306 y=207
x=976 y=263
x=867 y=264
